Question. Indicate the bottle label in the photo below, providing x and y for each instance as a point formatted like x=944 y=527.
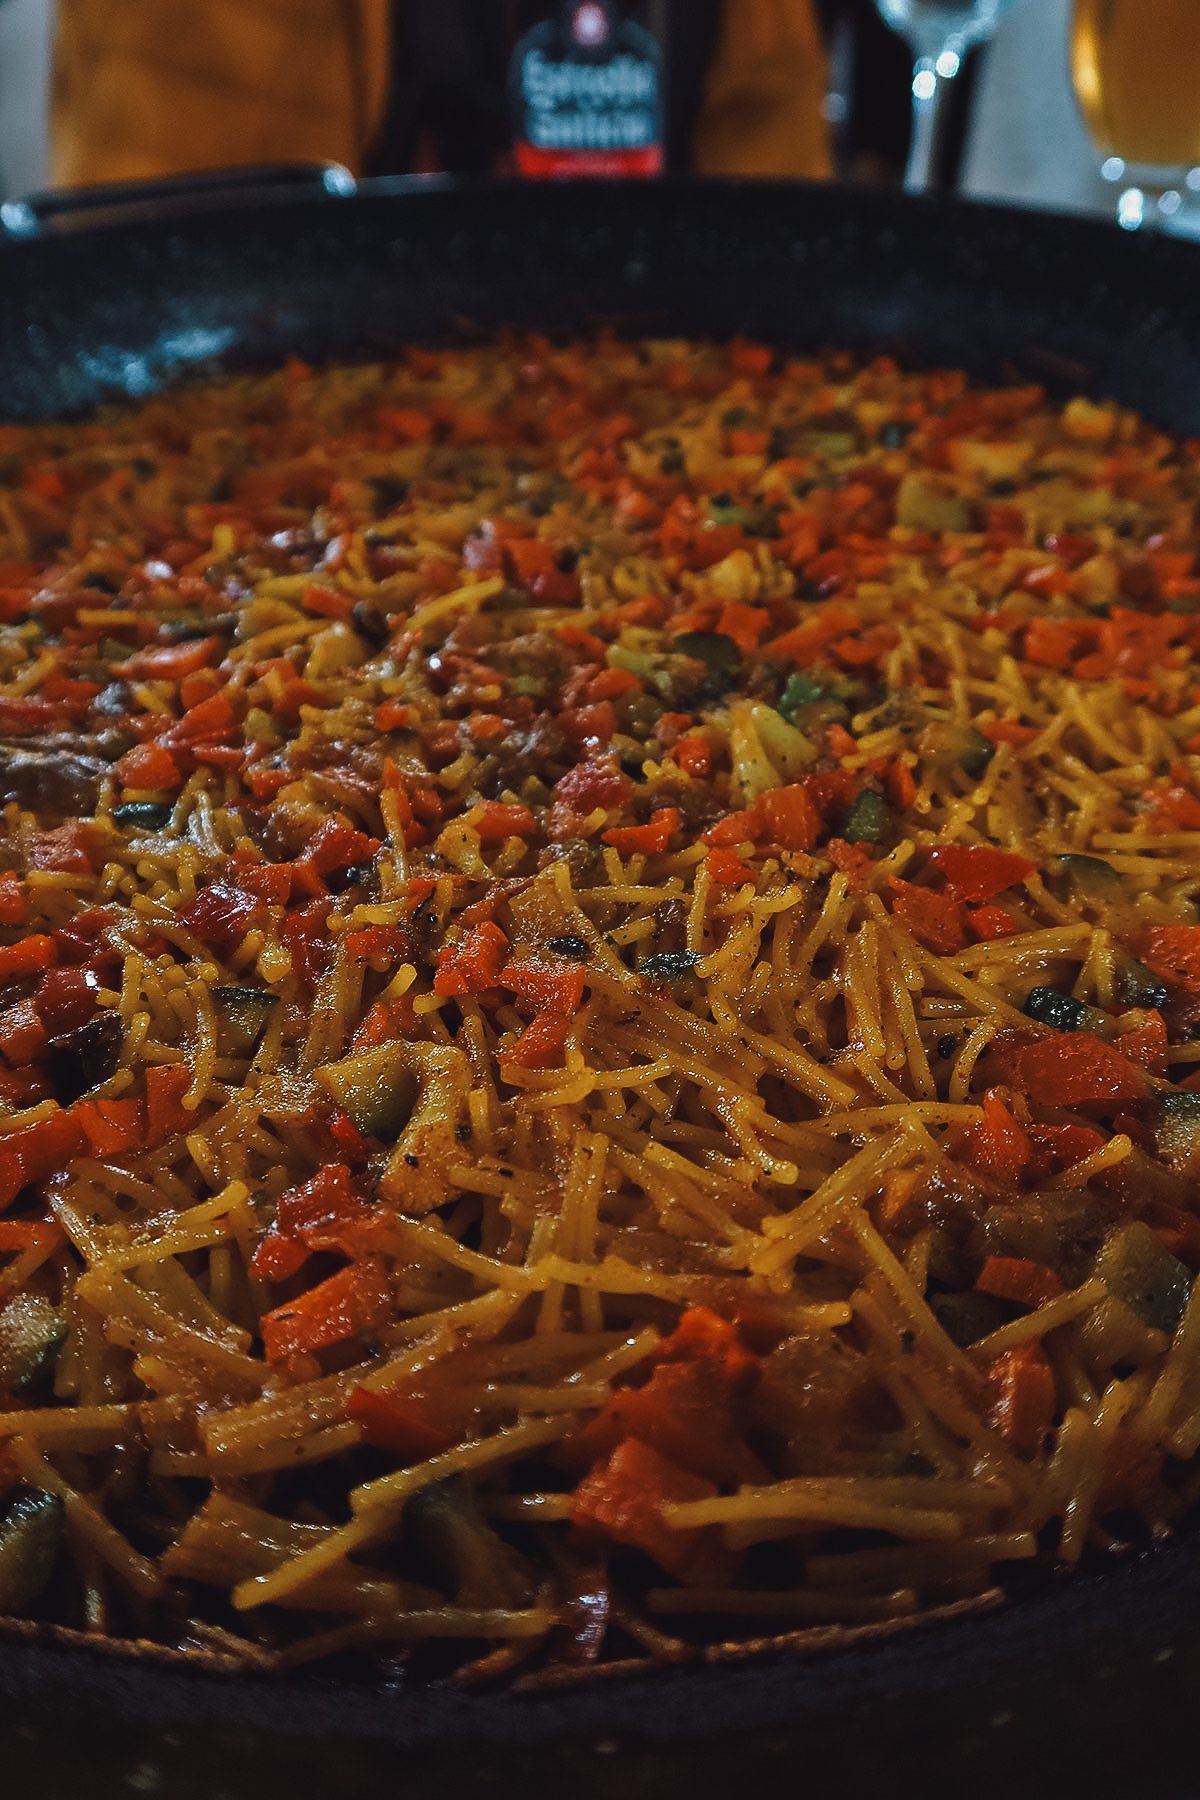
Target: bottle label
x=587 y=91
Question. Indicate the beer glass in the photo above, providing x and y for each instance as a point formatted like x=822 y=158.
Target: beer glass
x=1135 y=65
x=939 y=33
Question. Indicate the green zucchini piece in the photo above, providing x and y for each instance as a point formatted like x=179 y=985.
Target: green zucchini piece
x=968 y=1317
x=377 y=1088
x=148 y=815
x=1091 y=877
x=31 y=1529
x=868 y=819
x=1175 y=1120
x=1061 y=1012
x=31 y=1332
x=243 y=1013
x=445 y=1529
x=1141 y=1272
x=715 y=649
x=669 y=965
x=949 y=745
x=1136 y=985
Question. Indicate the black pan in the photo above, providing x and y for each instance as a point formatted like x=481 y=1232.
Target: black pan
x=1089 y=1682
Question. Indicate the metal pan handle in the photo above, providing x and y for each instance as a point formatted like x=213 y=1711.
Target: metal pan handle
x=106 y=203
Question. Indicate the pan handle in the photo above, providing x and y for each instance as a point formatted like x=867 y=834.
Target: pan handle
x=106 y=203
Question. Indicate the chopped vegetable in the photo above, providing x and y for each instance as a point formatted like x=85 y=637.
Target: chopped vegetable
x=1061 y=1012
x=1136 y=1269
x=31 y=1333
x=868 y=820
x=31 y=1533
x=377 y=1088
x=244 y=1015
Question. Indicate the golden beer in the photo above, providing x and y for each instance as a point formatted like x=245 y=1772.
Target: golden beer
x=1136 y=69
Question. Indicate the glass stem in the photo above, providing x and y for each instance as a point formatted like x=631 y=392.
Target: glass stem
x=932 y=77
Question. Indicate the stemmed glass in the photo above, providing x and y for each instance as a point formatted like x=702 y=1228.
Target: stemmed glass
x=1136 y=69
x=939 y=33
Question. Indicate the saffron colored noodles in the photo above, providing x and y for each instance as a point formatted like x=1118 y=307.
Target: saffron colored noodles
x=599 y=1002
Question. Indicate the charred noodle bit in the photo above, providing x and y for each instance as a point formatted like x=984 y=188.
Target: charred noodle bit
x=599 y=996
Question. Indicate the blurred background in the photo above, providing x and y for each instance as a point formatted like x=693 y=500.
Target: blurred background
x=809 y=86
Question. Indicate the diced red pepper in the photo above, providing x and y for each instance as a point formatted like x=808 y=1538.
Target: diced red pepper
x=997 y=1145
x=622 y=1499
x=987 y=924
x=1173 y=952
x=976 y=872
x=349 y=1304
x=693 y=753
x=148 y=766
x=1058 y=1147
x=1147 y=1044
x=1022 y=1408
x=1017 y=1279
x=35 y=1152
x=556 y=995
x=112 y=1126
x=220 y=916
x=23 y=1037
x=1073 y=1068
x=473 y=964
x=854 y=860
x=166 y=1084
x=171 y=662
x=66 y=998
x=304 y=1215
x=935 y=920
x=495 y=821
x=1008 y=731
x=789 y=817
x=304 y=932
x=66 y=850
x=589 y=785
x=726 y=868
x=14 y=909
x=399 y=1423
x=647 y=840
x=29 y=957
